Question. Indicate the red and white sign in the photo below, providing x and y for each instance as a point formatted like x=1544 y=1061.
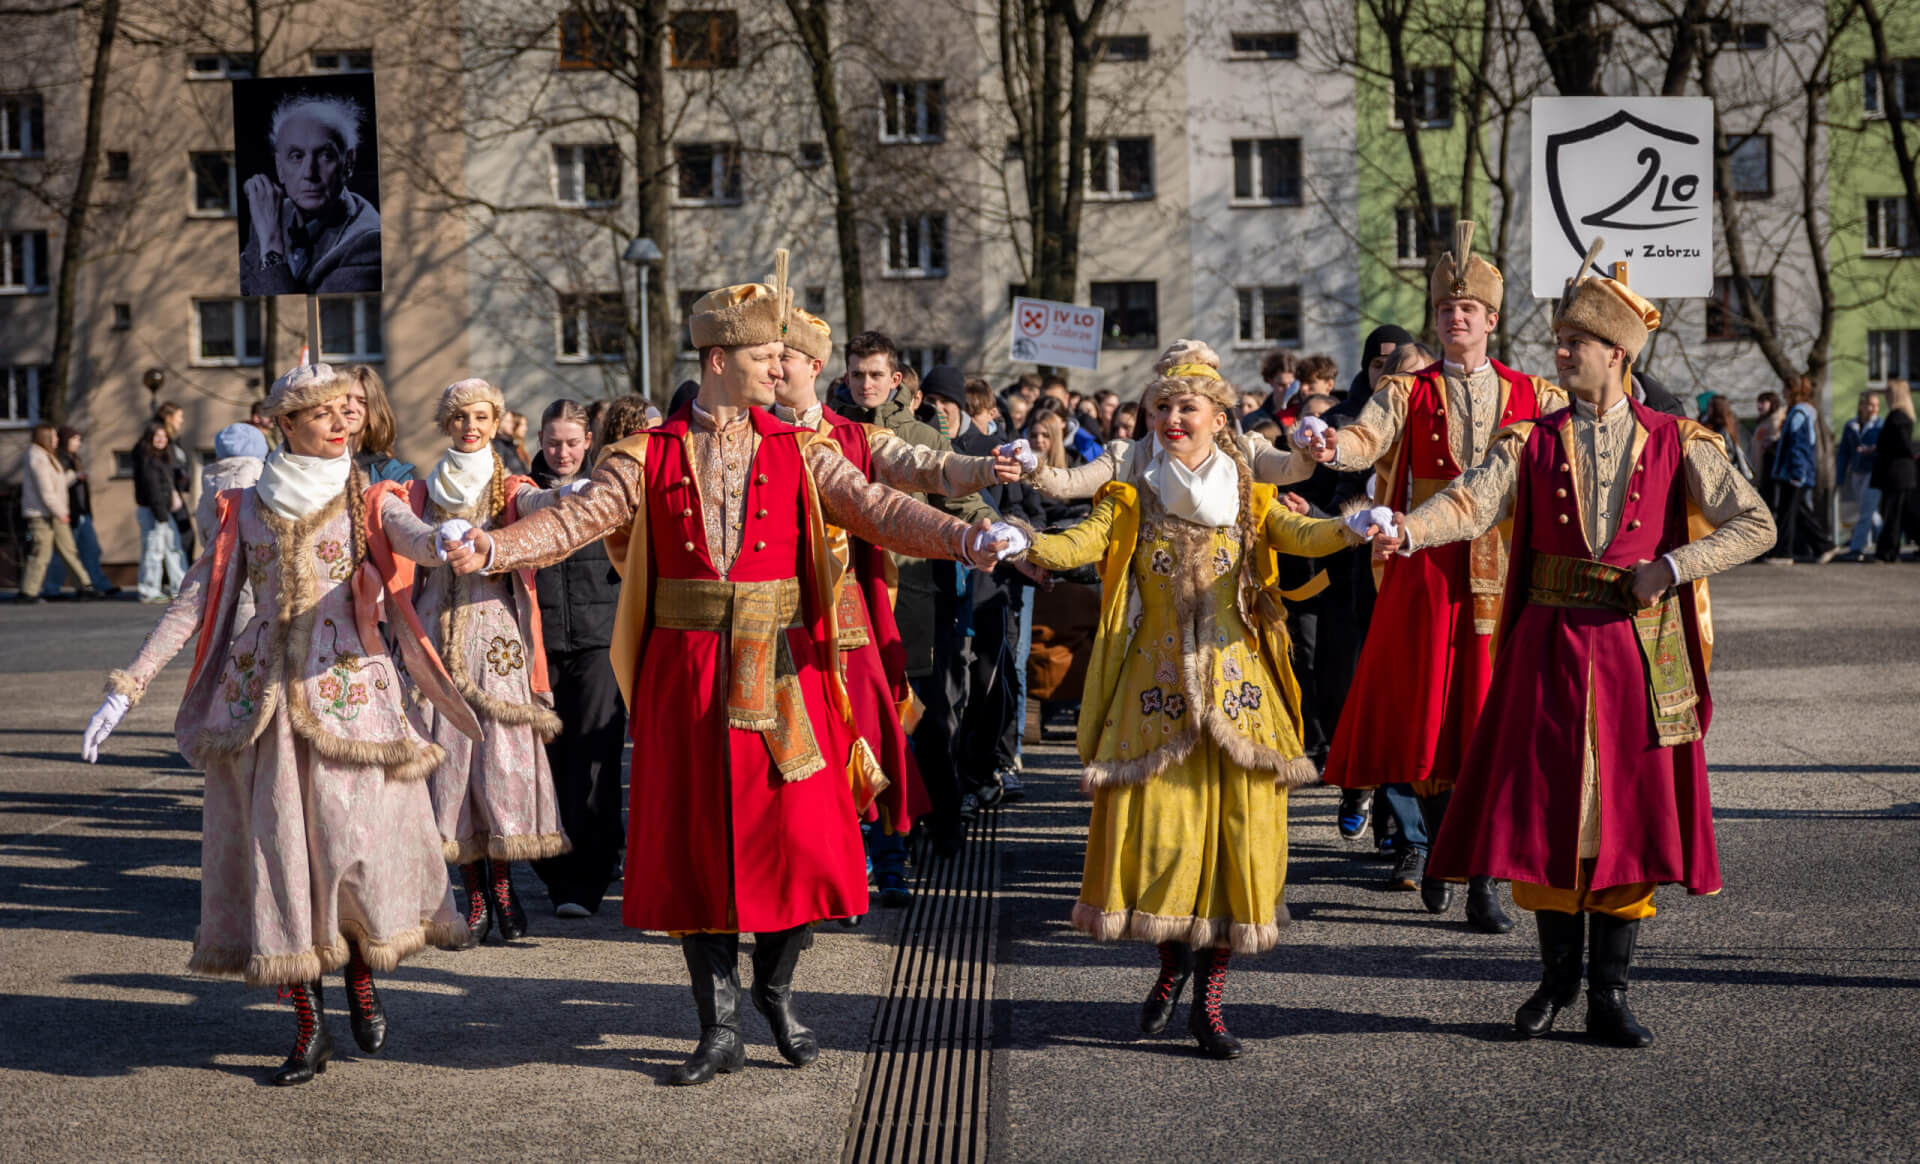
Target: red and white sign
x=1060 y=334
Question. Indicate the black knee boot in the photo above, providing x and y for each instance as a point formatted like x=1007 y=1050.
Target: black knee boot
x=1563 y=939
x=365 y=1014
x=313 y=1046
x=1204 y=1021
x=506 y=903
x=712 y=965
x=1176 y=966
x=473 y=877
x=774 y=957
x=1483 y=907
x=1608 y=1019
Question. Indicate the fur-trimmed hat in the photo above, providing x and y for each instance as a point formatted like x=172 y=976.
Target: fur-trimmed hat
x=1460 y=274
x=1605 y=308
x=1189 y=366
x=303 y=387
x=744 y=314
x=809 y=333
x=461 y=393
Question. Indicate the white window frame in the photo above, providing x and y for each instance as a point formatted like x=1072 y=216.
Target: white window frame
x=1234 y=54
x=1109 y=162
x=364 y=306
x=1250 y=302
x=1406 y=233
x=726 y=160
x=1885 y=357
x=340 y=63
x=194 y=209
x=16 y=121
x=583 y=325
x=923 y=266
x=575 y=162
x=21 y=243
x=232 y=66
x=10 y=377
x=908 y=101
x=1422 y=82
x=1260 y=195
x=1888 y=218
x=240 y=358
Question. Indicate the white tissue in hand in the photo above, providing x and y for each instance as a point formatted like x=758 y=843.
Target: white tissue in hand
x=580 y=485
x=1013 y=535
x=1020 y=451
x=1308 y=428
x=450 y=534
x=1363 y=520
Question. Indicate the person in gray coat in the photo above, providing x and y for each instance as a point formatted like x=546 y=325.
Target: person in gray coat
x=310 y=234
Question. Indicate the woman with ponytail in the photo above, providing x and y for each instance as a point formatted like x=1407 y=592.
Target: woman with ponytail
x=320 y=850
x=1190 y=727
x=494 y=797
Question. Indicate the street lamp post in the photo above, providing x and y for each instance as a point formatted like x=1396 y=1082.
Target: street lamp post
x=643 y=254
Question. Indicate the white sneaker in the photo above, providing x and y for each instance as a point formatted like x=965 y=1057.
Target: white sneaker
x=571 y=909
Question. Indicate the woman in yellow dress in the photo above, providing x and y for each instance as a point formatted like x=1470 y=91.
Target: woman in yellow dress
x=1190 y=726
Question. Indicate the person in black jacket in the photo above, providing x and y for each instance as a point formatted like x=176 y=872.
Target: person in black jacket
x=578 y=598
x=1896 y=473
x=162 y=566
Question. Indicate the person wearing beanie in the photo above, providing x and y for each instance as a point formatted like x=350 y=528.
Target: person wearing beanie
x=1586 y=781
x=320 y=849
x=1427 y=657
x=494 y=797
x=743 y=815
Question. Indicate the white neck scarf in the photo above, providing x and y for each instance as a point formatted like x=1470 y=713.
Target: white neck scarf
x=460 y=480
x=293 y=486
x=1209 y=495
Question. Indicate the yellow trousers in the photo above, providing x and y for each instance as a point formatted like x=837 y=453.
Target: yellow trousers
x=1629 y=902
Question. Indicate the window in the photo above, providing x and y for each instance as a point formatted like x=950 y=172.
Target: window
x=119 y=165
x=1119 y=168
x=1269 y=315
x=1740 y=38
x=1906 y=88
x=341 y=61
x=917 y=246
x=813 y=300
x=1016 y=151
x=813 y=155
x=1892 y=355
x=23 y=126
x=687 y=300
x=1132 y=314
x=1015 y=291
x=350 y=328
x=1269 y=46
x=1432 y=102
x=1406 y=233
x=923 y=359
x=913 y=111
x=219 y=66
x=1727 y=318
x=20 y=395
x=1120 y=48
x=226 y=331
x=708 y=173
x=23 y=263
x=1890 y=228
x=592 y=327
x=592 y=39
x=216 y=191
x=1750 y=157
x=1267 y=170
x=586 y=175
x=122 y=316
x=705 y=40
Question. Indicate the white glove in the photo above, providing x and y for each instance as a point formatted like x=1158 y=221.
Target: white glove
x=1002 y=531
x=1361 y=521
x=580 y=485
x=1020 y=451
x=1306 y=428
x=451 y=533
x=111 y=712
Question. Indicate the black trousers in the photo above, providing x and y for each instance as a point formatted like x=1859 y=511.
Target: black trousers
x=1899 y=514
x=989 y=737
x=585 y=758
x=1802 y=531
x=944 y=692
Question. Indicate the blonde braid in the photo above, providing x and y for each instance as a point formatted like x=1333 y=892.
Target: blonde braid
x=1225 y=441
x=497 y=490
x=357 y=511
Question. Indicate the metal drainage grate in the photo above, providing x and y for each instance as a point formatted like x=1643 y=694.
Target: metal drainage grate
x=924 y=1097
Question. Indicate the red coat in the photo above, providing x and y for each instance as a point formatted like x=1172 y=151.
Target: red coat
x=1423 y=664
x=1516 y=810
x=716 y=839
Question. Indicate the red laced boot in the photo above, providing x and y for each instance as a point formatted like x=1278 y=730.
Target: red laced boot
x=364 y=1013
x=314 y=1046
x=1176 y=966
x=506 y=903
x=1204 y=1021
x=473 y=877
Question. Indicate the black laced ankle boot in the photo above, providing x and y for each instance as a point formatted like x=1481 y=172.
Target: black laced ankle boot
x=1204 y=1021
x=774 y=958
x=364 y=1013
x=1608 y=1019
x=473 y=876
x=313 y=1046
x=1563 y=941
x=1483 y=907
x=712 y=964
x=1176 y=966
x=506 y=903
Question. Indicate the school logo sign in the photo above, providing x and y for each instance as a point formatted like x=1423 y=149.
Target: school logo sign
x=1637 y=172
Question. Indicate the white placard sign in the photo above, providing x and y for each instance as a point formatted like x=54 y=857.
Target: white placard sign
x=1062 y=334
x=1635 y=171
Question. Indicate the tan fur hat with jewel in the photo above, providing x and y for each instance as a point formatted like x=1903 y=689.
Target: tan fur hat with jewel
x=1460 y=274
x=809 y=333
x=744 y=314
x=1605 y=308
x=303 y=387
x=461 y=393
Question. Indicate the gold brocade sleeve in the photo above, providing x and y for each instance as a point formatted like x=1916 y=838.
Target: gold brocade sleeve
x=1273 y=465
x=911 y=469
x=1084 y=542
x=1305 y=537
x=546 y=537
x=1742 y=527
x=1476 y=500
x=1080 y=481
x=879 y=514
x=1367 y=439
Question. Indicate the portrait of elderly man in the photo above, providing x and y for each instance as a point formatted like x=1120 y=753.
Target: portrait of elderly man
x=309 y=233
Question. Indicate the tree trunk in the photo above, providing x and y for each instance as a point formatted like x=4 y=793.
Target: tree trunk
x=1572 y=43
x=54 y=398
x=1896 y=118
x=810 y=17
x=653 y=199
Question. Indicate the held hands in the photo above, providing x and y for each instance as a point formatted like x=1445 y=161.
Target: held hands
x=472 y=553
x=1316 y=438
x=1014 y=459
x=263 y=203
x=984 y=543
x=451 y=533
x=1651 y=580
x=1306 y=428
x=111 y=712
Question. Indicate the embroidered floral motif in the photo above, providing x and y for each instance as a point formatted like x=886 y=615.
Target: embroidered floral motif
x=1166 y=672
x=242 y=690
x=1230 y=669
x=260 y=556
x=1250 y=696
x=1161 y=563
x=342 y=696
x=1230 y=703
x=1151 y=701
x=1222 y=561
x=505 y=656
x=338 y=563
x=1176 y=705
